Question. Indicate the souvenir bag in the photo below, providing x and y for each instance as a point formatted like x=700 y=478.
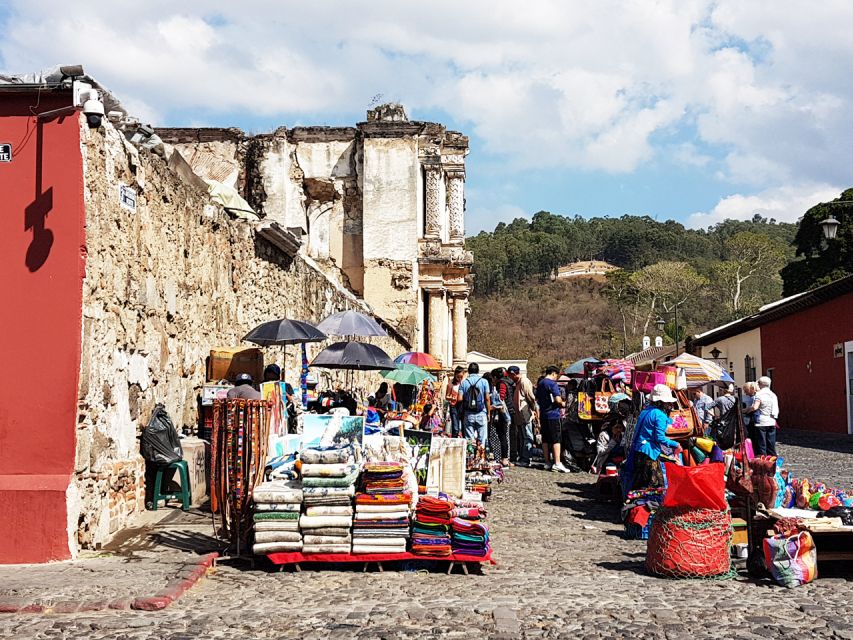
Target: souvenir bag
x=645 y=381
x=602 y=398
x=670 y=376
x=684 y=418
x=585 y=400
x=739 y=476
x=791 y=560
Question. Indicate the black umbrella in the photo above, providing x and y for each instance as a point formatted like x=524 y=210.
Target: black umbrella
x=351 y=323
x=357 y=356
x=284 y=332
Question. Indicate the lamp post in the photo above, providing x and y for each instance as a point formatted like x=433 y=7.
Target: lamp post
x=660 y=323
x=830 y=225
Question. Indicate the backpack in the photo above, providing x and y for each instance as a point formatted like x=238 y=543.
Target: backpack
x=473 y=399
x=160 y=442
x=724 y=428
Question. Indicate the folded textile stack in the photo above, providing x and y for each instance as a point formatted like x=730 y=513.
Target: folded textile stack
x=276 y=518
x=328 y=487
x=431 y=529
x=469 y=538
x=381 y=523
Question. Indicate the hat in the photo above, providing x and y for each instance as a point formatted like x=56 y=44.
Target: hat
x=244 y=378
x=514 y=370
x=273 y=369
x=618 y=397
x=662 y=393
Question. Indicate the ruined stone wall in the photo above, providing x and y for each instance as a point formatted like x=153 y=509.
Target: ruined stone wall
x=165 y=284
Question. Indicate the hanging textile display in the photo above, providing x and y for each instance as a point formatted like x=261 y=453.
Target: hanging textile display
x=303 y=378
x=238 y=454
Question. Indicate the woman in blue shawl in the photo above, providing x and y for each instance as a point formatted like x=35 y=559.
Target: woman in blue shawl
x=642 y=469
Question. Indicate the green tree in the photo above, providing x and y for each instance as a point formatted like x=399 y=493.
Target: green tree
x=820 y=260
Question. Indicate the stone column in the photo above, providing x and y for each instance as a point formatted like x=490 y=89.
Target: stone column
x=433 y=209
x=437 y=321
x=456 y=204
x=460 y=330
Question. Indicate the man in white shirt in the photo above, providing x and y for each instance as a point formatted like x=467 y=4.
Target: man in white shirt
x=765 y=411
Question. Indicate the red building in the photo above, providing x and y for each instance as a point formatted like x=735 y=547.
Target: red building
x=807 y=349
x=42 y=244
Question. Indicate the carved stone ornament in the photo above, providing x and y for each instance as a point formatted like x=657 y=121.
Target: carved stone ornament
x=456 y=205
x=433 y=203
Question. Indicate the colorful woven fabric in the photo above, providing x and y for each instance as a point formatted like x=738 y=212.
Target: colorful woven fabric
x=401 y=497
x=260 y=516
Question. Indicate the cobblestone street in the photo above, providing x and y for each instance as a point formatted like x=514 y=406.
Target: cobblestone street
x=563 y=570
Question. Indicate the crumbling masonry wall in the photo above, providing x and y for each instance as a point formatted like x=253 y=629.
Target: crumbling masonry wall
x=164 y=284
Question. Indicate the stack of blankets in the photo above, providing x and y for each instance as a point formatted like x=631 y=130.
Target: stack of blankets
x=381 y=523
x=328 y=487
x=431 y=529
x=469 y=538
x=276 y=517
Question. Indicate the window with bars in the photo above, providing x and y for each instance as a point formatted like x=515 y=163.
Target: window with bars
x=749 y=369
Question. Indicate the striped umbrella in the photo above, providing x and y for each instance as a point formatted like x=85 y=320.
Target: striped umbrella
x=699 y=371
x=419 y=359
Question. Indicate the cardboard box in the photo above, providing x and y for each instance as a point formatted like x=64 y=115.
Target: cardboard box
x=225 y=363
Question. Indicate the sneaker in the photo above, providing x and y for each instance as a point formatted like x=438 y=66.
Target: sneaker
x=560 y=468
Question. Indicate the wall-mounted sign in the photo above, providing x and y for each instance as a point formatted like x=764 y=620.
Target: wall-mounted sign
x=838 y=350
x=5 y=152
x=127 y=197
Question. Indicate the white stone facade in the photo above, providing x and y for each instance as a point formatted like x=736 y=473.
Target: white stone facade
x=380 y=206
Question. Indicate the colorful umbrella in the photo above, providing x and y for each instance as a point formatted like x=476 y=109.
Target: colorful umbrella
x=419 y=359
x=407 y=374
x=699 y=371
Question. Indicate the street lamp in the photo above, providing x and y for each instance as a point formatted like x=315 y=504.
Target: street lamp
x=715 y=353
x=830 y=227
x=660 y=323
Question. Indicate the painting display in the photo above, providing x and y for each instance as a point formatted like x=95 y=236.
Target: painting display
x=332 y=430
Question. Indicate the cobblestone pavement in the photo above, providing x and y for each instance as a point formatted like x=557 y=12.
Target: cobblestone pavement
x=564 y=572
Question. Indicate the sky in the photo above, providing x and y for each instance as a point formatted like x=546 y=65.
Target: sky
x=690 y=110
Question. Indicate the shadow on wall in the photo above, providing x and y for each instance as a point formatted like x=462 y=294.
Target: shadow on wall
x=35 y=215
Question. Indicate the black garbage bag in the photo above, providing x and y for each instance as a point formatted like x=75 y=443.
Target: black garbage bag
x=845 y=513
x=160 y=442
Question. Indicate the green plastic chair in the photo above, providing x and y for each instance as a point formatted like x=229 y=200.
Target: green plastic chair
x=184 y=494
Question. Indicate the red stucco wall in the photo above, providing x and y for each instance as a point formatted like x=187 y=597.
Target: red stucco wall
x=808 y=379
x=42 y=250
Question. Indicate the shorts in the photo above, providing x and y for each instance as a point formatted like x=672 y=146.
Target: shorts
x=552 y=431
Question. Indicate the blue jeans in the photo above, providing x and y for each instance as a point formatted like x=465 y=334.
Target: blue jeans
x=764 y=440
x=455 y=423
x=477 y=427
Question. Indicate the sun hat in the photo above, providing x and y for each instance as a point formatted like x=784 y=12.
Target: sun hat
x=662 y=393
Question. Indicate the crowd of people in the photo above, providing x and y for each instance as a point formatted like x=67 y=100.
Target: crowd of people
x=521 y=421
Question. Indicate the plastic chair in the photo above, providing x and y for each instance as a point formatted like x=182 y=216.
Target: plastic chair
x=184 y=494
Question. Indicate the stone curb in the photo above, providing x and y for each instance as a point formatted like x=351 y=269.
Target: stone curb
x=173 y=590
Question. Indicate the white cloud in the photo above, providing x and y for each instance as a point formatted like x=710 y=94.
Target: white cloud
x=785 y=204
x=589 y=84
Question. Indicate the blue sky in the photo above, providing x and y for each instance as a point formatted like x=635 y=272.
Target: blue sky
x=687 y=109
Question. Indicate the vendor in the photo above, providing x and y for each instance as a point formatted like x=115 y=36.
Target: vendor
x=272 y=373
x=382 y=400
x=649 y=440
x=243 y=389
